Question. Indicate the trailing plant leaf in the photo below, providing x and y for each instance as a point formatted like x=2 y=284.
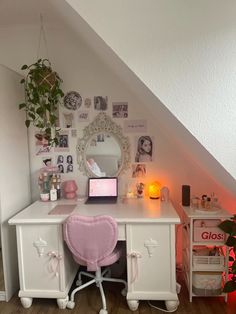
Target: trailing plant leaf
x=27 y=123
x=229 y=286
x=231 y=241
x=24 y=67
x=42 y=97
x=23 y=105
x=229 y=227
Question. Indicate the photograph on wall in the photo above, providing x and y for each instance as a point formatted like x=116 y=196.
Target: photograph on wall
x=41 y=145
x=135 y=126
x=47 y=162
x=83 y=116
x=63 y=142
x=93 y=142
x=100 y=103
x=72 y=100
x=120 y=110
x=100 y=138
x=65 y=163
x=68 y=120
x=87 y=102
x=144 y=147
x=73 y=132
x=69 y=164
x=138 y=170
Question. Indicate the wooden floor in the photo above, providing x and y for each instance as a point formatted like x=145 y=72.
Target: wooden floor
x=88 y=302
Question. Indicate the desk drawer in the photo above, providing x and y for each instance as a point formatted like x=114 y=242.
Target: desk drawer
x=121 y=232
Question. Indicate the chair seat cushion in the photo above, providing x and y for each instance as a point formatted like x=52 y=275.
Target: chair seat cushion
x=106 y=261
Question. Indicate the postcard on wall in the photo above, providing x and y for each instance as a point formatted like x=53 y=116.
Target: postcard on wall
x=83 y=116
x=138 y=170
x=120 y=109
x=87 y=102
x=47 y=162
x=63 y=139
x=65 y=163
x=41 y=145
x=73 y=133
x=135 y=126
x=67 y=120
x=144 y=149
x=100 y=103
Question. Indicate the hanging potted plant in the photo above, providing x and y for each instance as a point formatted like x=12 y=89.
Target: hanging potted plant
x=42 y=97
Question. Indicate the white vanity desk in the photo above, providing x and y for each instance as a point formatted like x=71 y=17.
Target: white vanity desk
x=46 y=268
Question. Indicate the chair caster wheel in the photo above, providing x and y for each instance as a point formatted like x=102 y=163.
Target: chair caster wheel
x=78 y=283
x=124 y=292
x=102 y=311
x=70 y=305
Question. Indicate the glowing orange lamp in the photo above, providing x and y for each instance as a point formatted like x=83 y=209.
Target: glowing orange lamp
x=154 y=190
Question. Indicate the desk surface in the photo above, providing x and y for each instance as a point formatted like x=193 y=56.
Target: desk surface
x=124 y=211
x=210 y=214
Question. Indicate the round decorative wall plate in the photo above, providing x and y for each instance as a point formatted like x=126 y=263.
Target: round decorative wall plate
x=72 y=100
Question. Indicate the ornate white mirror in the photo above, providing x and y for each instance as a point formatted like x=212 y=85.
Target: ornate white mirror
x=103 y=151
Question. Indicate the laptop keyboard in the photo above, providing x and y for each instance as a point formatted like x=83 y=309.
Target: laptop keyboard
x=100 y=200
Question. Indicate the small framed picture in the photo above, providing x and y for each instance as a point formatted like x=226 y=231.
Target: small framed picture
x=138 y=170
x=83 y=116
x=120 y=110
x=63 y=142
x=144 y=146
x=68 y=120
x=100 y=103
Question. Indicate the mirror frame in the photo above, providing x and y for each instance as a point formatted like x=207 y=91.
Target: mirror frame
x=103 y=124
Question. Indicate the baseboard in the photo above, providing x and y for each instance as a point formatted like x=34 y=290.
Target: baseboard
x=2 y=296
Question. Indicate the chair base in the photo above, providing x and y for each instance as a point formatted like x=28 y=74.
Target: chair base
x=98 y=278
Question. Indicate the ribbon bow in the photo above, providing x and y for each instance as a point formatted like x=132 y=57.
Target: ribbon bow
x=54 y=262
x=134 y=265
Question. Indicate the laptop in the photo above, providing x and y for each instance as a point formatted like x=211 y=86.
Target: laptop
x=102 y=190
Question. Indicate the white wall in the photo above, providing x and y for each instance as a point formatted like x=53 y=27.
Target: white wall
x=14 y=169
x=83 y=71
x=183 y=51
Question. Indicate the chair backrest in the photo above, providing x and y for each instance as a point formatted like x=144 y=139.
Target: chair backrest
x=90 y=239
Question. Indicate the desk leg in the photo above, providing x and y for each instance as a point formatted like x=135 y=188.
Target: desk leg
x=172 y=305
x=62 y=303
x=26 y=302
x=133 y=304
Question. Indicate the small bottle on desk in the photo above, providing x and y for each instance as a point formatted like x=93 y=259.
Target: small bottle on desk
x=53 y=191
x=58 y=186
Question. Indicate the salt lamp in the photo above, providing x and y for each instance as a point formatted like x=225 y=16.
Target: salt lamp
x=154 y=190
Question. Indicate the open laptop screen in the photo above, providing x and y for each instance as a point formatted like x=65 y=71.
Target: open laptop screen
x=102 y=187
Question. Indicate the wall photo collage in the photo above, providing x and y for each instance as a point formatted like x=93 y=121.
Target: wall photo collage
x=78 y=110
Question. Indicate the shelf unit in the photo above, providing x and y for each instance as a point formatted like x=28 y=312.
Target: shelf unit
x=207 y=266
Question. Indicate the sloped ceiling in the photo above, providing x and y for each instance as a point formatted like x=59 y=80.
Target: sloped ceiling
x=184 y=57
x=60 y=12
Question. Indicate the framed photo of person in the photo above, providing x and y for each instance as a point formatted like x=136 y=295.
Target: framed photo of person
x=144 y=149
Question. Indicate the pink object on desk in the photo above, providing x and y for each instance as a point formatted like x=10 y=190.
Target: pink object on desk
x=70 y=188
x=62 y=210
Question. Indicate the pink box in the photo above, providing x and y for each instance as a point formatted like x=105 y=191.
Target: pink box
x=207 y=230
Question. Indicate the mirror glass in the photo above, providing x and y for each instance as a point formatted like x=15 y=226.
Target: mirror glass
x=103 y=151
x=103 y=155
